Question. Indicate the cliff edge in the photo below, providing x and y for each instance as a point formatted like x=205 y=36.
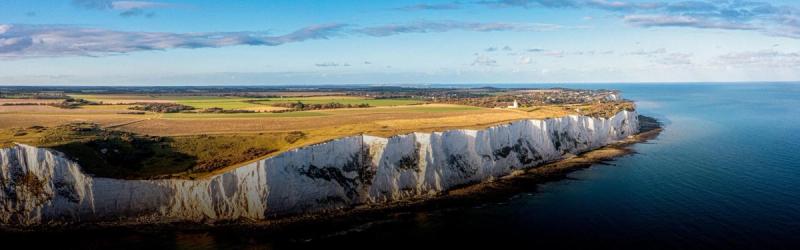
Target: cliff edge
x=42 y=187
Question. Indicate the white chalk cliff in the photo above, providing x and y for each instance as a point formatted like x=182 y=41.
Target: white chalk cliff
x=41 y=186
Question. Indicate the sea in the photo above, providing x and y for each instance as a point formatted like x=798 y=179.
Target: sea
x=723 y=174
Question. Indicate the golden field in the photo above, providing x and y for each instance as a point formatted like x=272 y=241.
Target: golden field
x=202 y=143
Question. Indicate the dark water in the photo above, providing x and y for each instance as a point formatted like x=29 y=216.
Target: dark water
x=725 y=173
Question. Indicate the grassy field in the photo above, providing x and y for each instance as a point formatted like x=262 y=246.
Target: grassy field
x=194 y=145
x=243 y=115
x=341 y=99
x=260 y=104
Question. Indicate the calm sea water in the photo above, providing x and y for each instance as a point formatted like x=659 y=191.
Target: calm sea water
x=724 y=173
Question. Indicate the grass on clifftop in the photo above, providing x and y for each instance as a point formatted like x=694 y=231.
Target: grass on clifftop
x=107 y=142
x=124 y=155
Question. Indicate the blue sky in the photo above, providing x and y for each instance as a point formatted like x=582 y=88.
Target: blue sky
x=172 y=42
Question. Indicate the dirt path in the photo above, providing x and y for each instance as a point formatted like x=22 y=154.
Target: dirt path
x=113 y=126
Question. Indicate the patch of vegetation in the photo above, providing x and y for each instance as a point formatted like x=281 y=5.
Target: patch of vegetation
x=72 y=103
x=300 y=106
x=606 y=109
x=22 y=104
x=221 y=151
x=125 y=155
x=120 y=154
x=226 y=111
x=162 y=107
x=294 y=136
x=132 y=113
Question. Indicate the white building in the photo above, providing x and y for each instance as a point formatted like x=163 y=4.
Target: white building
x=515 y=105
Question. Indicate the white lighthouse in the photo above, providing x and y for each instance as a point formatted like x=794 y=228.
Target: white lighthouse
x=515 y=105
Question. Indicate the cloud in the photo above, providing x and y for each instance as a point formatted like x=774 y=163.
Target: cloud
x=562 y=53
x=26 y=41
x=691 y=6
x=119 y=5
x=622 y=6
x=424 y=6
x=765 y=58
x=125 y=8
x=766 y=17
x=138 y=5
x=93 y=4
x=136 y=12
x=65 y=40
x=649 y=52
x=444 y=26
x=8 y=45
x=524 y=60
x=333 y=64
x=675 y=59
x=483 y=60
x=554 y=53
x=648 y=21
x=532 y=3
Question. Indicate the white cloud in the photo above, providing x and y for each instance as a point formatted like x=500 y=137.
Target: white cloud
x=444 y=26
x=675 y=59
x=522 y=60
x=764 y=58
x=25 y=41
x=683 y=21
x=483 y=60
x=649 y=53
x=138 y=5
x=554 y=53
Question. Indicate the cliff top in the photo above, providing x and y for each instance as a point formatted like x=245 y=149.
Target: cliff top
x=116 y=135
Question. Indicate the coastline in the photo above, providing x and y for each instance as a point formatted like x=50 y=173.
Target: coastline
x=469 y=195
x=474 y=194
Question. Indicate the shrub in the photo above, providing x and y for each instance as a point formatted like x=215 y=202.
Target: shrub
x=161 y=107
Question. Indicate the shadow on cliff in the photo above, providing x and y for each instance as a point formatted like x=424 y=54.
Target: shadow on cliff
x=128 y=157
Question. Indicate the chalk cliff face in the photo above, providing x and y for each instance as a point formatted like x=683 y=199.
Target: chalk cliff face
x=40 y=186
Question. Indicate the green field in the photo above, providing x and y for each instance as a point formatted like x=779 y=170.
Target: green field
x=342 y=100
x=217 y=102
x=229 y=103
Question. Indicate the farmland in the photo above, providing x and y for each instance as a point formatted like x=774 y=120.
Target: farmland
x=227 y=102
x=193 y=144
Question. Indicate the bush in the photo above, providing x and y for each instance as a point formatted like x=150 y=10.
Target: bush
x=294 y=136
x=72 y=103
x=300 y=106
x=226 y=111
x=161 y=107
